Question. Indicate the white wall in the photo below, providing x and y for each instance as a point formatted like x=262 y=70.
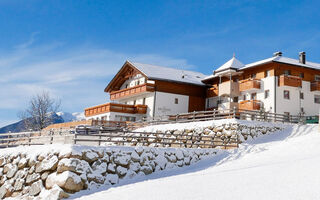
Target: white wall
x=131 y=82
x=113 y=116
x=165 y=104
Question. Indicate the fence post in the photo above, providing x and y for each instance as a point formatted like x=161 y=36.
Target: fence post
x=75 y=139
x=194 y=115
x=234 y=112
x=214 y=113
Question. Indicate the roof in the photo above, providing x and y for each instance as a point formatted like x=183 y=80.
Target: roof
x=285 y=60
x=154 y=72
x=233 y=63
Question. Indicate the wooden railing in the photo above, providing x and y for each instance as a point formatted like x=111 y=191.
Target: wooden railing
x=250 y=105
x=147 y=87
x=249 y=84
x=287 y=80
x=114 y=107
x=315 y=86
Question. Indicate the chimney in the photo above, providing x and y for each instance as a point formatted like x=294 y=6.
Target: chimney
x=302 y=57
x=278 y=53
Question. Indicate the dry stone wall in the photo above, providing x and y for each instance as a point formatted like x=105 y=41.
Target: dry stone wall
x=56 y=171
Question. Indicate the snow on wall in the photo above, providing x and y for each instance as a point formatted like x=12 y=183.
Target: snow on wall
x=56 y=171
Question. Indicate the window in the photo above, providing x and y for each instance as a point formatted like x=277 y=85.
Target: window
x=287 y=72
x=317 y=99
x=317 y=77
x=286 y=94
x=253 y=76
x=144 y=101
x=301 y=75
x=134 y=102
x=127 y=85
x=244 y=97
x=301 y=110
x=301 y=95
x=176 y=100
x=266 y=94
x=253 y=96
x=267 y=73
x=235 y=99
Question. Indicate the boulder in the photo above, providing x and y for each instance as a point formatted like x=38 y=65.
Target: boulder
x=69 y=181
x=21 y=174
x=36 y=188
x=2 y=161
x=12 y=170
x=47 y=164
x=53 y=194
x=134 y=166
x=32 y=178
x=122 y=159
x=44 y=175
x=112 y=178
x=121 y=171
x=135 y=157
x=146 y=169
x=97 y=178
x=74 y=165
x=6 y=190
x=99 y=167
x=22 y=163
x=18 y=185
x=90 y=156
x=111 y=168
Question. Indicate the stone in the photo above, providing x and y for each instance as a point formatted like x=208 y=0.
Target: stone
x=122 y=160
x=12 y=170
x=1 y=171
x=112 y=178
x=139 y=150
x=44 y=175
x=53 y=194
x=31 y=170
x=179 y=154
x=172 y=158
x=121 y=171
x=90 y=156
x=99 y=167
x=18 y=185
x=25 y=190
x=3 y=179
x=22 y=163
x=32 y=178
x=135 y=157
x=36 y=188
x=111 y=168
x=74 y=165
x=2 y=161
x=21 y=174
x=32 y=161
x=69 y=181
x=97 y=178
x=179 y=163
x=134 y=166
x=146 y=169
x=47 y=164
x=6 y=190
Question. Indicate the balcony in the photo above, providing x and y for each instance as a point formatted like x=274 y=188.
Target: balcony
x=229 y=88
x=250 y=105
x=228 y=105
x=315 y=86
x=292 y=81
x=249 y=84
x=147 y=87
x=212 y=92
x=114 y=107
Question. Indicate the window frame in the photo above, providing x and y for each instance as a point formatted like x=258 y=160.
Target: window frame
x=176 y=101
x=286 y=96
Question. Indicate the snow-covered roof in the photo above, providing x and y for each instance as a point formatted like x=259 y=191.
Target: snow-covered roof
x=286 y=60
x=233 y=63
x=154 y=72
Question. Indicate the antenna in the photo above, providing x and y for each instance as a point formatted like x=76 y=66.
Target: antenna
x=234 y=54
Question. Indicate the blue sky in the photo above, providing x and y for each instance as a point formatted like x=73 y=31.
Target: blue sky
x=73 y=48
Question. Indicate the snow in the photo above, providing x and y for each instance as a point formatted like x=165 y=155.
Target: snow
x=232 y=63
x=154 y=72
x=284 y=165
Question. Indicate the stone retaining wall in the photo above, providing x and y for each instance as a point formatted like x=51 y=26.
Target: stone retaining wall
x=56 y=171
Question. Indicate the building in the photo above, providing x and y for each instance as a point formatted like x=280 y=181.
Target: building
x=277 y=84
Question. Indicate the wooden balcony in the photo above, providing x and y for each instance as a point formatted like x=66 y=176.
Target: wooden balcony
x=229 y=88
x=315 y=86
x=212 y=92
x=249 y=84
x=250 y=105
x=147 y=87
x=287 y=80
x=228 y=105
x=114 y=107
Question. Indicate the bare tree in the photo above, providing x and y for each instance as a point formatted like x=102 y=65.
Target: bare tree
x=40 y=111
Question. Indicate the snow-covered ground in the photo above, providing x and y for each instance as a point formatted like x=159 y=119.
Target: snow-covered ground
x=278 y=166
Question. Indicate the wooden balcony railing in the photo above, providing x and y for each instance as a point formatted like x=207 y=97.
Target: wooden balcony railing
x=114 y=107
x=249 y=84
x=250 y=105
x=147 y=87
x=287 y=80
x=315 y=86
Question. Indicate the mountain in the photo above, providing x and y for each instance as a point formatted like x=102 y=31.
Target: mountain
x=58 y=117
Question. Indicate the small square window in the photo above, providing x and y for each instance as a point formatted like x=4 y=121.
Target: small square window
x=253 y=76
x=317 y=77
x=317 y=99
x=287 y=72
x=266 y=94
x=176 y=100
x=286 y=94
x=301 y=95
x=244 y=97
x=254 y=96
x=301 y=75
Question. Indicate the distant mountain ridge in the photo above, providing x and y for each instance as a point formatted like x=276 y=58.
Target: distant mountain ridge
x=59 y=117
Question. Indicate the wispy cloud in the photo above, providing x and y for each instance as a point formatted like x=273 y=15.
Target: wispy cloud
x=76 y=75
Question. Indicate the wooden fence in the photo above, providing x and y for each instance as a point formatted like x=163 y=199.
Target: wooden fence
x=221 y=114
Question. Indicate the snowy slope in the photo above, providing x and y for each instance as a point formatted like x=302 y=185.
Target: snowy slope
x=280 y=166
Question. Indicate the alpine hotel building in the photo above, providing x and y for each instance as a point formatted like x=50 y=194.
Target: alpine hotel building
x=278 y=84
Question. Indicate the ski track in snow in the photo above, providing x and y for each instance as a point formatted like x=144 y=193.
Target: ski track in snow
x=284 y=165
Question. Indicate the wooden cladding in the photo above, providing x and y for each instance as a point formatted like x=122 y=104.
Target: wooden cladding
x=250 y=105
x=114 y=107
x=147 y=87
x=212 y=92
x=287 y=80
x=180 y=88
x=315 y=86
x=249 y=84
